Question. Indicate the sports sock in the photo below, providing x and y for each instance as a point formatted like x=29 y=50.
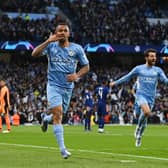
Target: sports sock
x=86 y=123
x=48 y=118
x=0 y=122
x=7 y=120
x=141 y=119
x=143 y=126
x=89 y=124
x=101 y=122
x=59 y=134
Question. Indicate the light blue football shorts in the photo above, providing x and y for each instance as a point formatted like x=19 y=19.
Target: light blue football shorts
x=142 y=99
x=57 y=96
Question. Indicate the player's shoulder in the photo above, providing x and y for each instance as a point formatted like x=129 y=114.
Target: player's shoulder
x=157 y=68
x=75 y=45
x=77 y=48
x=140 y=66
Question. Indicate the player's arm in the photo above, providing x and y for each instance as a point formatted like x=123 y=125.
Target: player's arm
x=39 y=49
x=163 y=77
x=125 y=78
x=85 y=66
x=8 y=98
x=84 y=70
x=75 y=76
x=84 y=62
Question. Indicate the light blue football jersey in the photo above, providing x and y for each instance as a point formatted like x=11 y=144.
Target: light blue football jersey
x=63 y=61
x=147 y=79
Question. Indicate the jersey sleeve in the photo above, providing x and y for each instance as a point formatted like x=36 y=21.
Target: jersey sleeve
x=162 y=76
x=127 y=77
x=82 y=56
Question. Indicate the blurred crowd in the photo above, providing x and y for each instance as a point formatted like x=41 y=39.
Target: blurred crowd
x=99 y=21
x=122 y=23
x=30 y=6
x=27 y=84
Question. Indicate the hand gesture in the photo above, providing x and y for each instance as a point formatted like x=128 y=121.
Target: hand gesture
x=112 y=84
x=54 y=37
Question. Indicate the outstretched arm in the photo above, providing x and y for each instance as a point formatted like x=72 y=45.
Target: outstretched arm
x=163 y=77
x=125 y=78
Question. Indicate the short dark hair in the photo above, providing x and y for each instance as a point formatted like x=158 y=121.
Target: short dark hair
x=62 y=23
x=147 y=51
x=104 y=81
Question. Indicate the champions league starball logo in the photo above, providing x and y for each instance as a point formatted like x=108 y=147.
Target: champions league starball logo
x=99 y=48
x=21 y=45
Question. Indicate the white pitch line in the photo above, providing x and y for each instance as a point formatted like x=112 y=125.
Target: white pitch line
x=125 y=155
x=127 y=161
x=28 y=146
x=88 y=151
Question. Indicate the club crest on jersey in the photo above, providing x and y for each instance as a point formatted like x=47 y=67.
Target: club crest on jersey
x=71 y=53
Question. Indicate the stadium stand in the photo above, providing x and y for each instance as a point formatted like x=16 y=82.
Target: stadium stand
x=27 y=83
x=124 y=22
x=115 y=22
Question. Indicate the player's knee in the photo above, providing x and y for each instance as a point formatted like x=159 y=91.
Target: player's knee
x=57 y=118
x=57 y=115
x=147 y=113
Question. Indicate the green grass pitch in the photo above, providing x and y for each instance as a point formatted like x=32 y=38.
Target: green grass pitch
x=28 y=147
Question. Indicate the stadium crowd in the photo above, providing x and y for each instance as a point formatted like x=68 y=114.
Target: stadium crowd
x=92 y=21
x=27 y=84
x=98 y=21
x=30 y=6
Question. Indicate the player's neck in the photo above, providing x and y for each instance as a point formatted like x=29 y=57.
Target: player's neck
x=148 y=65
x=64 y=44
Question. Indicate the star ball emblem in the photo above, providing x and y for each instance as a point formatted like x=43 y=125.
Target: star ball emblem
x=71 y=53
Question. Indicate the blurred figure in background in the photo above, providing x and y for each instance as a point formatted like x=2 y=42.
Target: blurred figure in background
x=88 y=108
x=101 y=94
x=4 y=105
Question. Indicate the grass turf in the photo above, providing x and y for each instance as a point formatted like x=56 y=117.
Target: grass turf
x=28 y=147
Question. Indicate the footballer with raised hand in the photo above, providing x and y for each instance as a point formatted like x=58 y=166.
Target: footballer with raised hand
x=63 y=57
